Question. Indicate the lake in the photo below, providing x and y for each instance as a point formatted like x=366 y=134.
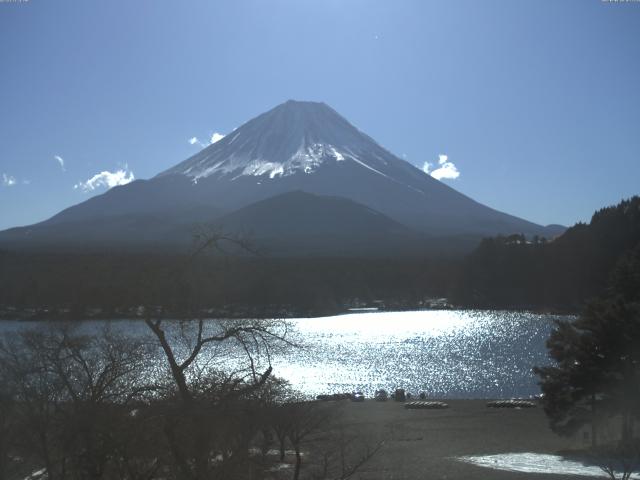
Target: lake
x=445 y=353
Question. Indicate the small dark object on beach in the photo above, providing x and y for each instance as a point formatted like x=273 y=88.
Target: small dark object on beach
x=381 y=395
x=426 y=405
x=399 y=395
x=513 y=403
x=334 y=397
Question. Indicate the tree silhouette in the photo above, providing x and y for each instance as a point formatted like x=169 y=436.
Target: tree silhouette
x=597 y=371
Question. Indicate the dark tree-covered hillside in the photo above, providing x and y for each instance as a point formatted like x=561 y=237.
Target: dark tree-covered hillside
x=562 y=273
x=73 y=285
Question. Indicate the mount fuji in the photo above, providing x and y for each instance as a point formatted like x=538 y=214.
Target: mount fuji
x=299 y=164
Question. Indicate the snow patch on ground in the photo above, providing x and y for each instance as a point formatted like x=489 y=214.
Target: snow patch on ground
x=38 y=475
x=337 y=154
x=360 y=162
x=536 y=463
x=258 y=168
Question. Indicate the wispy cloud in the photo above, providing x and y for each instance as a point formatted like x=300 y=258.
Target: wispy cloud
x=8 y=180
x=60 y=160
x=446 y=169
x=106 y=179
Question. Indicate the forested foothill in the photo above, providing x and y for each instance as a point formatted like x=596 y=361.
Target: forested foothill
x=561 y=274
x=506 y=272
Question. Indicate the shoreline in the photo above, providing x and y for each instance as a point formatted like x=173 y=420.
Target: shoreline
x=54 y=315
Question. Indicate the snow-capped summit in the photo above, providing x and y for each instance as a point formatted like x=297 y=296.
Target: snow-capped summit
x=294 y=137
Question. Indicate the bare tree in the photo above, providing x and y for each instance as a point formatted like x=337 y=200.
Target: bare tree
x=70 y=390
x=7 y=425
x=274 y=423
x=255 y=337
x=335 y=452
x=217 y=377
x=345 y=452
x=218 y=369
x=617 y=455
x=305 y=419
x=618 y=461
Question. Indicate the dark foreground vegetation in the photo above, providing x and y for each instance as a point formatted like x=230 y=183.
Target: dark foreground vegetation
x=103 y=407
x=595 y=379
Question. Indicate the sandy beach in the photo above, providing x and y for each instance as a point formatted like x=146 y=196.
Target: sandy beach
x=424 y=444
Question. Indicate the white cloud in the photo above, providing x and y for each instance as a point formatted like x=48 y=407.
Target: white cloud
x=446 y=169
x=106 y=179
x=195 y=140
x=60 y=160
x=8 y=180
x=216 y=137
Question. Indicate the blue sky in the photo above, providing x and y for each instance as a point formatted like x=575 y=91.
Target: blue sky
x=537 y=103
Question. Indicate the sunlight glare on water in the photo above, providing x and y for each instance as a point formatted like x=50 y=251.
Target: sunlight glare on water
x=444 y=353
x=447 y=353
x=377 y=326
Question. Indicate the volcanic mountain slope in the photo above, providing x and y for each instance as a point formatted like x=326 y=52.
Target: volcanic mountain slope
x=308 y=146
x=295 y=147
x=300 y=223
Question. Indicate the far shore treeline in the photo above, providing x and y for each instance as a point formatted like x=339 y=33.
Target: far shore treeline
x=112 y=285
x=510 y=272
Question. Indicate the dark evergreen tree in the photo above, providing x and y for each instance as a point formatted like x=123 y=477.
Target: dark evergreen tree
x=597 y=370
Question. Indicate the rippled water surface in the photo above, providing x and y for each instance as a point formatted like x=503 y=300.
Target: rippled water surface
x=462 y=354
x=455 y=354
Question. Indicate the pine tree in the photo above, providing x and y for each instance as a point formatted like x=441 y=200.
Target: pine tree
x=597 y=370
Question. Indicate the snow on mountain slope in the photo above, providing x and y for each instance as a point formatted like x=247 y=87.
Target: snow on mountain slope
x=292 y=138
